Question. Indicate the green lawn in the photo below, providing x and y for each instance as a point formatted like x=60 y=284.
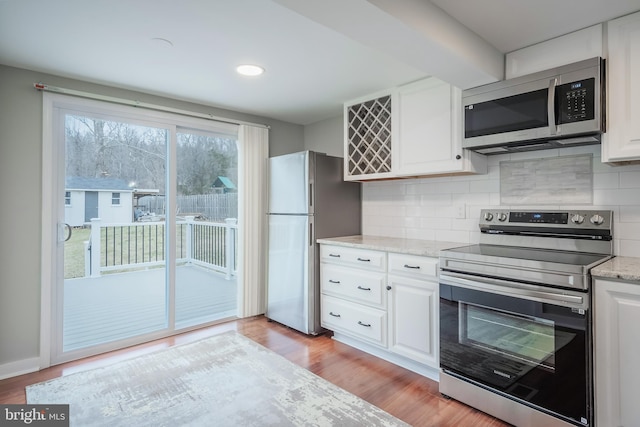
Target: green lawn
x=74 y=253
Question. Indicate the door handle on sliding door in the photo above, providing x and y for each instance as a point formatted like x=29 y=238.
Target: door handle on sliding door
x=69 y=231
x=64 y=232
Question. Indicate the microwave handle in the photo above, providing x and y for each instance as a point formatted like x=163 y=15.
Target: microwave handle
x=551 y=110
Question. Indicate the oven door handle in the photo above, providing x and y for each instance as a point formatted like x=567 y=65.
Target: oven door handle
x=515 y=289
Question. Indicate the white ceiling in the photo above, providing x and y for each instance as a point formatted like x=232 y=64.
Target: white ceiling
x=316 y=54
x=513 y=24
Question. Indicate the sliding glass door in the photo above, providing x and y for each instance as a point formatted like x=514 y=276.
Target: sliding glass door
x=147 y=209
x=115 y=283
x=206 y=226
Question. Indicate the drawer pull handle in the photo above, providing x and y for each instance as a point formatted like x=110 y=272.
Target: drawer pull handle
x=364 y=259
x=331 y=313
x=366 y=325
x=415 y=267
x=335 y=255
x=363 y=288
x=334 y=281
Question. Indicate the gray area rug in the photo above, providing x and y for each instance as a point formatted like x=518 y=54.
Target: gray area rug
x=225 y=380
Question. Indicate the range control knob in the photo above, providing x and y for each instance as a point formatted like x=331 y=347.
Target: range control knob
x=577 y=219
x=502 y=217
x=488 y=216
x=597 y=219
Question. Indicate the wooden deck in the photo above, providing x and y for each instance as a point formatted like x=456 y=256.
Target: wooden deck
x=122 y=305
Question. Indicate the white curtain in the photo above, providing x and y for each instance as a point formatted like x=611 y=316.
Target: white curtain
x=253 y=154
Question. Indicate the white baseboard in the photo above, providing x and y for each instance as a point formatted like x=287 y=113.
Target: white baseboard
x=419 y=368
x=19 y=367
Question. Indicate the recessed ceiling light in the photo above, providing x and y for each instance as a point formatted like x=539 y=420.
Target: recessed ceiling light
x=249 y=70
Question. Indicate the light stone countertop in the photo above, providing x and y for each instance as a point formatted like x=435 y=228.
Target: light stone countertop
x=622 y=268
x=391 y=244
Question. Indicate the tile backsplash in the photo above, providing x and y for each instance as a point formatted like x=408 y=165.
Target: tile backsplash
x=448 y=208
x=563 y=180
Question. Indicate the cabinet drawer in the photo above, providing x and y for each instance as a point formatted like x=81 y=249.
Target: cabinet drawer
x=363 y=258
x=362 y=322
x=354 y=284
x=412 y=265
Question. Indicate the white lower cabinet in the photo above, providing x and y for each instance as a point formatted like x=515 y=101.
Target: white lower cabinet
x=413 y=319
x=617 y=346
x=387 y=306
x=358 y=285
x=363 y=322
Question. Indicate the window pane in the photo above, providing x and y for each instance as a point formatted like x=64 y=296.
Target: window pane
x=114 y=285
x=207 y=206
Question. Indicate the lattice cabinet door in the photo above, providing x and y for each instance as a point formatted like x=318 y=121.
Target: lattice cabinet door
x=368 y=138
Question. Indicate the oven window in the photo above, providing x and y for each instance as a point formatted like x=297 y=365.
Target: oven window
x=524 y=338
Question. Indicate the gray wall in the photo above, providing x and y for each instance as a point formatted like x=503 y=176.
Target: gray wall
x=21 y=198
x=325 y=136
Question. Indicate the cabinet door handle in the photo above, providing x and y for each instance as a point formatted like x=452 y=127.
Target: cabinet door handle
x=334 y=281
x=335 y=255
x=366 y=325
x=331 y=313
x=363 y=288
x=364 y=259
x=415 y=267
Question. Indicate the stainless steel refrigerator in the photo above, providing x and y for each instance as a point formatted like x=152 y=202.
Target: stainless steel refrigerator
x=308 y=200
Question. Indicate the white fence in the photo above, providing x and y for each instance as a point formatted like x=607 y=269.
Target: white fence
x=213 y=207
x=116 y=247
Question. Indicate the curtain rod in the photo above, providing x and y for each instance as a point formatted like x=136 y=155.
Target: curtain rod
x=138 y=104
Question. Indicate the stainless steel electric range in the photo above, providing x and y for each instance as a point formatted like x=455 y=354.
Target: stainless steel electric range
x=515 y=315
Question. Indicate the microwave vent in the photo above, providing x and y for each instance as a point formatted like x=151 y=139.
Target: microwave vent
x=539 y=145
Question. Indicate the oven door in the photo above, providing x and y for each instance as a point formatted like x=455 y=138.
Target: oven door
x=525 y=342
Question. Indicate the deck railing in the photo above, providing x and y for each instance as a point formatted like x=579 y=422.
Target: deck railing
x=116 y=247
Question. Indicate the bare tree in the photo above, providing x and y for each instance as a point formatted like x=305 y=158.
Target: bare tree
x=97 y=147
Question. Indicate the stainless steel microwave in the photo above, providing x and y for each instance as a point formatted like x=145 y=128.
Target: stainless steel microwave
x=560 y=107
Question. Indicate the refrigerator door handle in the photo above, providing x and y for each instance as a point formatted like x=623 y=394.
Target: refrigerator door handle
x=310 y=195
x=310 y=234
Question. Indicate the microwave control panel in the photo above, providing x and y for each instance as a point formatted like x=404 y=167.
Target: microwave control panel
x=575 y=101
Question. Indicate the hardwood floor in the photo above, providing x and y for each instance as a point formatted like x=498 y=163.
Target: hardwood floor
x=407 y=395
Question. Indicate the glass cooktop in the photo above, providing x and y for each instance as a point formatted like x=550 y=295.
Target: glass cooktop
x=546 y=256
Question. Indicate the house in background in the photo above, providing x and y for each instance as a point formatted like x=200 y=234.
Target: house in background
x=110 y=199
x=222 y=184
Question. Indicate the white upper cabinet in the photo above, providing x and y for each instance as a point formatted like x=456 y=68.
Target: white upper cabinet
x=573 y=47
x=428 y=131
x=412 y=130
x=622 y=140
x=367 y=133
